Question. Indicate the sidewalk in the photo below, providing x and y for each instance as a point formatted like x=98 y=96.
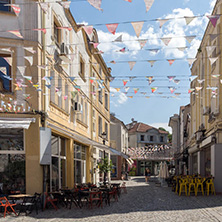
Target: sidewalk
x=143 y=202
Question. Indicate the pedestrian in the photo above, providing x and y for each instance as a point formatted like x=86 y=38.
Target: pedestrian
x=146 y=175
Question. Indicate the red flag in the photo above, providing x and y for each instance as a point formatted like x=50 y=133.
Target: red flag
x=112 y=27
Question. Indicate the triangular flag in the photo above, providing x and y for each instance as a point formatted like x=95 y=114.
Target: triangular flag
x=213 y=60
x=215 y=75
x=190 y=90
x=177 y=81
x=137 y=27
x=154 y=50
x=117 y=89
x=29 y=59
x=210 y=49
x=69 y=28
x=65 y=97
x=6 y=49
x=66 y=4
x=44 y=6
x=191 y=61
x=92 y=79
x=123 y=49
x=16 y=9
x=48 y=86
x=177 y=94
x=213 y=36
x=213 y=19
x=151 y=62
x=21 y=69
x=153 y=89
x=112 y=27
x=166 y=41
x=147 y=97
x=16 y=32
x=8 y=60
x=171 y=78
x=126 y=88
x=30 y=49
x=29 y=78
x=130 y=97
x=191 y=78
x=189 y=19
x=181 y=48
x=125 y=82
x=131 y=64
x=128 y=0
x=131 y=78
x=172 y=89
x=118 y=39
x=3 y=70
x=95 y=44
x=42 y=30
x=113 y=62
x=190 y=38
x=200 y=81
x=142 y=42
x=59 y=93
x=171 y=61
x=198 y=88
x=162 y=21
x=96 y=4
x=148 y=4
x=136 y=90
x=88 y=29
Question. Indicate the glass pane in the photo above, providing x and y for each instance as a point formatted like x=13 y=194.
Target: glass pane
x=63 y=147
x=83 y=153
x=4 y=8
x=63 y=173
x=55 y=145
x=77 y=172
x=5 y=83
x=11 y=139
x=55 y=173
x=77 y=151
x=12 y=173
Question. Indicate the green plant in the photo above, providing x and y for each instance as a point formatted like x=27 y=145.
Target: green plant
x=105 y=165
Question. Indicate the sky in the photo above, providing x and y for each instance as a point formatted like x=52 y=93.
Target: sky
x=135 y=99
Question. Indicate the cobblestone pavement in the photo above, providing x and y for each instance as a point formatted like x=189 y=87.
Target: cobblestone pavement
x=143 y=202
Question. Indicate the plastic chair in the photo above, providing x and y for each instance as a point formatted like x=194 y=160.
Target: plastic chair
x=199 y=184
x=210 y=186
x=123 y=187
x=4 y=202
x=183 y=186
x=95 y=197
x=50 y=200
x=191 y=186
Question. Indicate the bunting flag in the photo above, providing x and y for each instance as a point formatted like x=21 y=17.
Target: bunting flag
x=100 y=83
x=128 y=1
x=125 y=82
x=29 y=78
x=154 y=50
x=96 y=4
x=123 y=49
x=95 y=44
x=118 y=39
x=191 y=78
x=117 y=89
x=21 y=69
x=113 y=62
x=16 y=9
x=182 y=48
x=136 y=90
x=42 y=66
x=65 y=97
x=200 y=81
x=215 y=75
x=29 y=59
x=99 y=52
x=162 y=21
x=171 y=78
x=65 y=27
x=131 y=78
x=144 y=93
x=112 y=27
x=130 y=97
x=126 y=88
x=137 y=27
x=88 y=29
x=177 y=94
x=190 y=90
x=111 y=78
x=27 y=96
x=42 y=30
x=151 y=62
x=3 y=70
x=131 y=64
x=213 y=36
x=8 y=60
x=59 y=93
x=77 y=87
x=30 y=49
x=153 y=89
x=150 y=79
x=177 y=81
x=210 y=49
x=66 y=4
x=172 y=89
x=213 y=60
x=16 y=32
x=7 y=77
x=213 y=19
x=191 y=61
x=92 y=79
x=44 y=6
x=6 y=49
x=189 y=19
x=171 y=61
x=190 y=38
x=142 y=42
x=148 y=4
x=147 y=97
x=198 y=88
x=208 y=87
x=166 y=41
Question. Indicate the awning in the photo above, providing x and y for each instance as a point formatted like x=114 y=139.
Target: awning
x=116 y=152
x=16 y=122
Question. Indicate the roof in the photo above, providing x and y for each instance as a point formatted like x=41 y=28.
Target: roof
x=142 y=128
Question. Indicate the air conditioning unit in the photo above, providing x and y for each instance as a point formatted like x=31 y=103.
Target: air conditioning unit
x=77 y=107
x=206 y=110
x=64 y=49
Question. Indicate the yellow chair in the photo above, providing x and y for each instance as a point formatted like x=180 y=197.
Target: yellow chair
x=191 y=185
x=210 y=186
x=199 y=184
x=183 y=186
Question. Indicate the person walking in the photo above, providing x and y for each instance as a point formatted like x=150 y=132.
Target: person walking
x=147 y=174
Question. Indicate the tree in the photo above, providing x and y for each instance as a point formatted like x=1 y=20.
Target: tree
x=105 y=165
x=161 y=128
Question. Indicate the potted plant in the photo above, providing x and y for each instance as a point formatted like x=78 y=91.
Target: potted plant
x=105 y=165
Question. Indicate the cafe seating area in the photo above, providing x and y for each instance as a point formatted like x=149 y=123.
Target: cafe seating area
x=193 y=185
x=87 y=196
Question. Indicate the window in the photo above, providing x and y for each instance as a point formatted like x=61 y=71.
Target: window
x=5 y=74
x=100 y=70
x=57 y=33
x=100 y=127
x=151 y=138
x=86 y=113
x=100 y=95
x=106 y=101
x=5 y=8
x=106 y=130
x=66 y=98
x=141 y=137
x=59 y=93
x=82 y=68
x=161 y=139
x=52 y=88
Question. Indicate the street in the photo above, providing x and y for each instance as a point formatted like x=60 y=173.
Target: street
x=143 y=202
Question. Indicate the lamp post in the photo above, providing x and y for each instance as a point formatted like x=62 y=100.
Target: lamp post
x=104 y=153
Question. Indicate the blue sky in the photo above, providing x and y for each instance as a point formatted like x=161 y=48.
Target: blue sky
x=157 y=109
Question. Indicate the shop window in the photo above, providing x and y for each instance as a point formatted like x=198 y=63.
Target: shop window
x=161 y=139
x=5 y=74
x=141 y=137
x=5 y=8
x=151 y=138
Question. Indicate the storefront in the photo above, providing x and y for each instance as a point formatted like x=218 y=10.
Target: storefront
x=207 y=162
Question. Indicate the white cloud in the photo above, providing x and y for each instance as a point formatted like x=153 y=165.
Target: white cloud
x=120 y=97
x=212 y=4
x=163 y=125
